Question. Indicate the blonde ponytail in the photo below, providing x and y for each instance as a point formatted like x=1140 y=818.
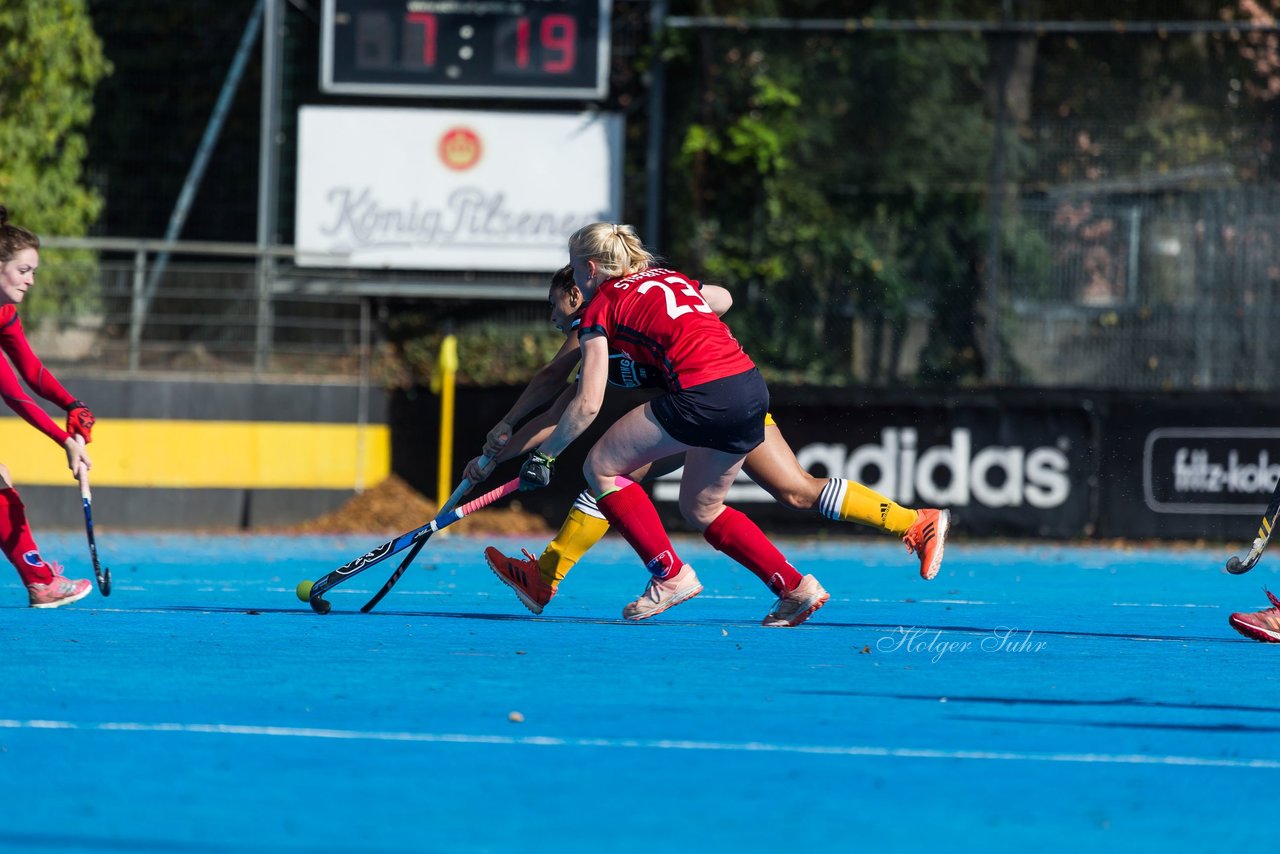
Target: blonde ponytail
x=615 y=248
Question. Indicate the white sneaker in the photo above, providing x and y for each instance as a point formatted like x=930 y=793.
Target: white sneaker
x=663 y=593
x=58 y=592
x=797 y=605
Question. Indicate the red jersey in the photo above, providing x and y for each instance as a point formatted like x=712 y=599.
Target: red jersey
x=657 y=317
x=14 y=343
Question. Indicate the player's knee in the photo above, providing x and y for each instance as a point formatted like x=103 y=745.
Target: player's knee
x=696 y=514
x=589 y=475
x=600 y=479
x=592 y=465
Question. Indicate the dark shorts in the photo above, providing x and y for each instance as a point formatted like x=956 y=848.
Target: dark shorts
x=724 y=415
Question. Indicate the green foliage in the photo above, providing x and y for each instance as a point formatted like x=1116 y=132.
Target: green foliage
x=51 y=61
x=845 y=184
x=817 y=183
x=488 y=355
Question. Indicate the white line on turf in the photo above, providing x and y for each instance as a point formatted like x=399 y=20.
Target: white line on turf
x=1160 y=605
x=647 y=744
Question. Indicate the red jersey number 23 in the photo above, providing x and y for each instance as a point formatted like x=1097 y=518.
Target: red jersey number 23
x=675 y=306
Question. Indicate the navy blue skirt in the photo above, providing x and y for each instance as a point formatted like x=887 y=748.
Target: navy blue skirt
x=725 y=415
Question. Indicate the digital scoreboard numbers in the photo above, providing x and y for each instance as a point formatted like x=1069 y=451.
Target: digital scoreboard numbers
x=466 y=48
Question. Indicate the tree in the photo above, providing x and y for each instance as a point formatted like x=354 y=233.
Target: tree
x=833 y=178
x=51 y=61
x=844 y=178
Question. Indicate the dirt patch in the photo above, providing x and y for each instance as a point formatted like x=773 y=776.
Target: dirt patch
x=393 y=507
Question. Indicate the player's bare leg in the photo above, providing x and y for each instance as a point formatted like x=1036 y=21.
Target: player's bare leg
x=774 y=467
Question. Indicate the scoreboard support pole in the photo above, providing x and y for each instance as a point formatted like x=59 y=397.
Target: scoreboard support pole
x=195 y=173
x=268 y=174
x=656 y=166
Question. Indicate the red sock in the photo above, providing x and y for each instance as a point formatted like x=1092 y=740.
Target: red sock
x=16 y=541
x=633 y=515
x=738 y=537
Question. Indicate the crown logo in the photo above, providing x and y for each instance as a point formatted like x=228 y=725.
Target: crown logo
x=460 y=148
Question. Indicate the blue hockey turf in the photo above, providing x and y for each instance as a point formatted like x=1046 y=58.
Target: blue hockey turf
x=1046 y=698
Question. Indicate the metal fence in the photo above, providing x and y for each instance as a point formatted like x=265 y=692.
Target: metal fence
x=199 y=307
x=237 y=309
x=1172 y=292
x=1119 y=175
x=1127 y=255
x=1147 y=291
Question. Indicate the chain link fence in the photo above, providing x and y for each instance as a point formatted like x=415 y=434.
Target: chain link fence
x=212 y=308
x=1107 y=191
x=1115 y=185
x=1163 y=291
x=236 y=310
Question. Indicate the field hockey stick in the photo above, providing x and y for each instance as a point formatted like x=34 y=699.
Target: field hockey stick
x=86 y=498
x=1235 y=565
x=462 y=489
x=313 y=592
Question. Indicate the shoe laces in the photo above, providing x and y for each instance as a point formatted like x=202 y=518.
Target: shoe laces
x=915 y=538
x=57 y=584
x=787 y=603
x=55 y=568
x=653 y=592
x=528 y=556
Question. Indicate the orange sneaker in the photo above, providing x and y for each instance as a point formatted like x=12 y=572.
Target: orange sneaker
x=522 y=576
x=798 y=605
x=59 y=591
x=1260 y=625
x=926 y=539
x=664 y=593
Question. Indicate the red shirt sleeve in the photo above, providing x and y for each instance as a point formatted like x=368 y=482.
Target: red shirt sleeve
x=14 y=343
x=594 y=318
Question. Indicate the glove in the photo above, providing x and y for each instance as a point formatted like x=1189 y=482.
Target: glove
x=536 y=471
x=80 y=421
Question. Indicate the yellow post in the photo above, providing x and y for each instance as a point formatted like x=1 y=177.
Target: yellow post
x=442 y=384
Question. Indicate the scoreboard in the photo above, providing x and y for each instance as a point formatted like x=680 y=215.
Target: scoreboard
x=549 y=49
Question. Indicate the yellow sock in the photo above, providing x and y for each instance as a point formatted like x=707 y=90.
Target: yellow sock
x=582 y=529
x=850 y=501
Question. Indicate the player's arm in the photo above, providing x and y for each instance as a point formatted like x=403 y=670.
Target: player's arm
x=14 y=342
x=530 y=434
x=20 y=402
x=586 y=403
x=718 y=298
x=534 y=431
x=549 y=382
x=80 y=420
